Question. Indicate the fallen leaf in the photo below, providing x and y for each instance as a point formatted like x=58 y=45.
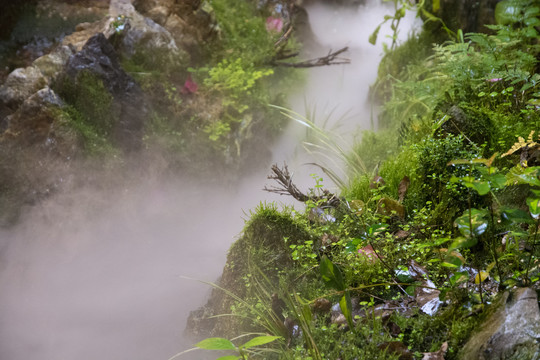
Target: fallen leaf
x=437 y=355
x=402 y=187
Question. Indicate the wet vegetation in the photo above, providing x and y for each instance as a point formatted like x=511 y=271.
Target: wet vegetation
x=440 y=217
x=438 y=211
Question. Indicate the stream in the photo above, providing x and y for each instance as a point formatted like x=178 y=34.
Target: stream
x=97 y=274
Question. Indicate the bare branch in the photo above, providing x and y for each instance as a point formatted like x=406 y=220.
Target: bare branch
x=287 y=187
x=330 y=59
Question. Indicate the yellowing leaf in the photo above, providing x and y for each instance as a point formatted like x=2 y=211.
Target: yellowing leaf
x=481 y=277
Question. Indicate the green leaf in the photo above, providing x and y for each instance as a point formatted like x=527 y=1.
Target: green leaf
x=463 y=243
x=481 y=277
x=534 y=207
x=528 y=176
x=373 y=36
x=216 y=344
x=259 y=340
x=459 y=277
x=331 y=274
x=346 y=308
x=497 y=180
x=478 y=220
x=352 y=246
x=229 y=357
x=515 y=216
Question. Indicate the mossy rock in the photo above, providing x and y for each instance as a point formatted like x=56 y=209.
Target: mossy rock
x=263 y=248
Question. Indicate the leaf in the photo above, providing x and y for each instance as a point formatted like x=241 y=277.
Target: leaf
x=259 y=340
x=481 y=277
x=369 y=253
x=515 y=216
x=346 y=308
x=435 y=4
x=463 y=243
x=402 y=188
x=459 y=277
x=229 y=357
x=331 y=274
x=216 y=344
x=376 y=229
x=478 y=220
x=534 y=207
x=373 y=36
x=521 y=175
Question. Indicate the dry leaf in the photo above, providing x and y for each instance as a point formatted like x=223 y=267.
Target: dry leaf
x=402 y=187
x=437 y=355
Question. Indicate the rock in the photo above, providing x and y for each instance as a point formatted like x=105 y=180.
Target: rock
x=99 y=59
x=142 y=34
x=77 y=39
x=390 y=207
x=52 y=64
x=186 y=21
x=37 y=123
x=510 y=332
x=20 y=84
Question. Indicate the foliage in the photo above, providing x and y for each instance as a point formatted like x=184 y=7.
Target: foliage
x=433 y=208
x=91 y=111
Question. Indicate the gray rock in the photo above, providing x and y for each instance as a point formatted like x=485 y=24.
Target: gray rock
x=31 y=124
x=511 y=332
x=52 y=64
x=20 y=84
x=99 y=58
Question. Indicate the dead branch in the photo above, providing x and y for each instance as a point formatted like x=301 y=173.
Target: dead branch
x=287 y=187
x=330 y=59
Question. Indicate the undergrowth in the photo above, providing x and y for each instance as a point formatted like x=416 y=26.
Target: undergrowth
x=429 y=228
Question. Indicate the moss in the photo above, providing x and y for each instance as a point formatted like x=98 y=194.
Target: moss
x=263 y=248
x=91 y=112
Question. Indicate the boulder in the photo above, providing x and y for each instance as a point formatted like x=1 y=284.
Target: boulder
x=52 y=64
x=37 y=122
x=510 y=332
x=139 y=33
x=99 y=59
x=20 y=84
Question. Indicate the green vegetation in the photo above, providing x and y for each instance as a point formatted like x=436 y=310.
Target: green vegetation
x=441 y=216
x=216 y=111
x=91 y=112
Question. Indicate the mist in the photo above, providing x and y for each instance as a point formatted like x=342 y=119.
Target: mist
x=98 y=272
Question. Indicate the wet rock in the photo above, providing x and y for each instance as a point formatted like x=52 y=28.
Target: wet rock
x=32 y=120
x=86 y=30
x=52 y=64
x=20 y=84
x=139 y=34
x=38 y=122
x=99 y=59
x=186 y=21
x=322 y=305
x=390 y=207
x=510 y=332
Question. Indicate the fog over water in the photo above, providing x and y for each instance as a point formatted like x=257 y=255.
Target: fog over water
x=95 y=274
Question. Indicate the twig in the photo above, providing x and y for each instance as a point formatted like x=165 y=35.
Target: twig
x=287 y=187
x=330 y=59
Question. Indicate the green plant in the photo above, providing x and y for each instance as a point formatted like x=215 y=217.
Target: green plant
x=329 y=149
x=242 y=351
